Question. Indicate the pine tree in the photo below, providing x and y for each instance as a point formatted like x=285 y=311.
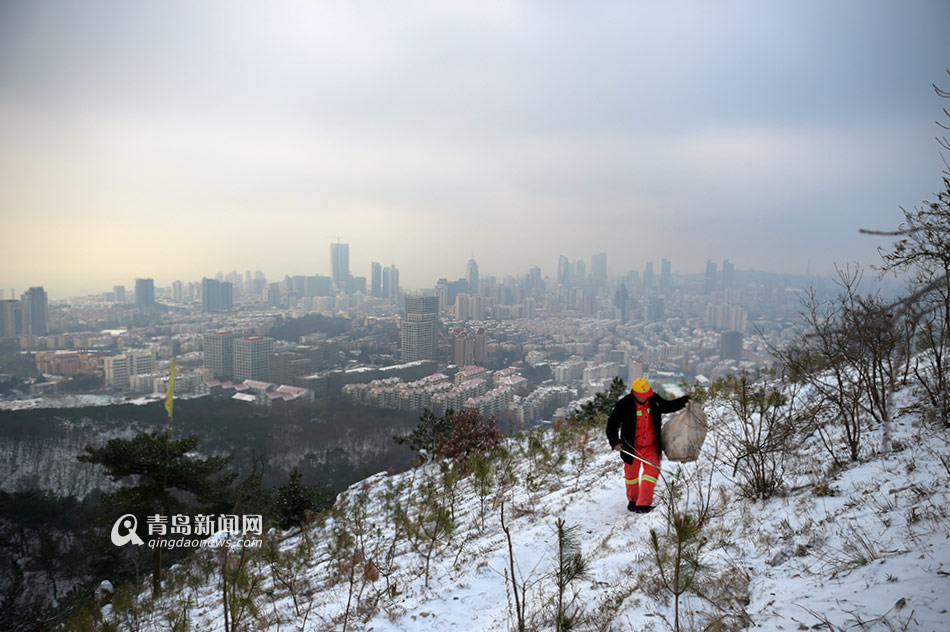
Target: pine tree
x=158 y=465
x=295 y=500
x=428 y=433
x=602 y=405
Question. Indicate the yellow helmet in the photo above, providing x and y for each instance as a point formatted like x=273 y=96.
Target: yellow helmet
x=642 y=387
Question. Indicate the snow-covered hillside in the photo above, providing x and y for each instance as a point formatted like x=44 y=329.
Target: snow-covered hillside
x=867 y=548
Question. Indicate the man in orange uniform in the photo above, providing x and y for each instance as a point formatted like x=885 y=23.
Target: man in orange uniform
x=633 y=429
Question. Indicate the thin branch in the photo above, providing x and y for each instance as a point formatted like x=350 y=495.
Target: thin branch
x=890 y=233
x=904 y=305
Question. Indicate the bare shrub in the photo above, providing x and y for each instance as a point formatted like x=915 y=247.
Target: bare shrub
x=758 y=445
x=471 y=432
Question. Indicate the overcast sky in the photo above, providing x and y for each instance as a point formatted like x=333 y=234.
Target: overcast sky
x=174 y=140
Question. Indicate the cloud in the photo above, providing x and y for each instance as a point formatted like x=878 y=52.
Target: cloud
x=422 y=133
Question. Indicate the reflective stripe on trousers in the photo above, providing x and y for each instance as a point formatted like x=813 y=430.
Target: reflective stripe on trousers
x=641 y=478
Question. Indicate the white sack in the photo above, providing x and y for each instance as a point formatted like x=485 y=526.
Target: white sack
x=683 y=434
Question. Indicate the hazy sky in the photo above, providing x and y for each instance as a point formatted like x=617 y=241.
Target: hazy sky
x=174 y=140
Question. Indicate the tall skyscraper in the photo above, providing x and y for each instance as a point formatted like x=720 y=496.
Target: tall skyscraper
x=462 y=312
x=710 y=284
x=728 y=274
x=420 y=328
x=476 y=307
x=598 y=269
x=216 y=296
x=620 y=300
x=273 y=294
x=237 y=283
x=178 y=291
x=11 y=318
x=145 y=293
x=118 y=293
x=35 y=312
x=340 y=264
x=534 y=286
x=376 y=279
x=471 y=275
x=579 y=272
x=648 y=276
x=442 y=291
x=219 y=353
x=391 y=283
x=666 y=277
x=563 y=270
x=252 y=358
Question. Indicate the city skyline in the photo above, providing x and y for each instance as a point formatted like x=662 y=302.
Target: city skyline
x=172 y=141
x=219 y=297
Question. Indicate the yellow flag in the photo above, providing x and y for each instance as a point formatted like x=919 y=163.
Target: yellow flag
x=170 y=393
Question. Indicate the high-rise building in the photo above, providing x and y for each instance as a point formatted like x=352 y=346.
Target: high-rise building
x=273 y=294
x=145 y=293
x=376 y=279
x=118 y=293
x=728 y=274
x=11 y=318
x=579 y=272
x=219 y=353
x=257 y=285
x=471 y=275
x=534 y=286
x=528 y=308
x=35 y=312
x=340 y=264
x=420 y=328
x=318 y=286
x=116 y=369
x=710 y=284
x=648 y=276
x=178 y=291
x=563 y=270
x=620 y=301
x=726 y=317
x=216 y=296
x=252 y=358
x=141 y=361
x=296 y=288
x=476 y=307
x=237 y=283
x=442 y=291
x=119 y=369
x=391 y=283
x=462 y=312
x=666 y=277
x=463 y=348
x=481 y=348
x=598 y=269
x=730 y=347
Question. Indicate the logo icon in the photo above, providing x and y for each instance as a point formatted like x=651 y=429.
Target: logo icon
x=127 y=523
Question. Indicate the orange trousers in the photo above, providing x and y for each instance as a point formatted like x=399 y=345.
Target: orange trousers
x=641 y=477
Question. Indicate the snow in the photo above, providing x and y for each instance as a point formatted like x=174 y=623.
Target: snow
x=60 y=401
x=79 y=400
x=866 y=549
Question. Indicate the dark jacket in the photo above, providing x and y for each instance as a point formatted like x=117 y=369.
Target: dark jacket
x=622 y=423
